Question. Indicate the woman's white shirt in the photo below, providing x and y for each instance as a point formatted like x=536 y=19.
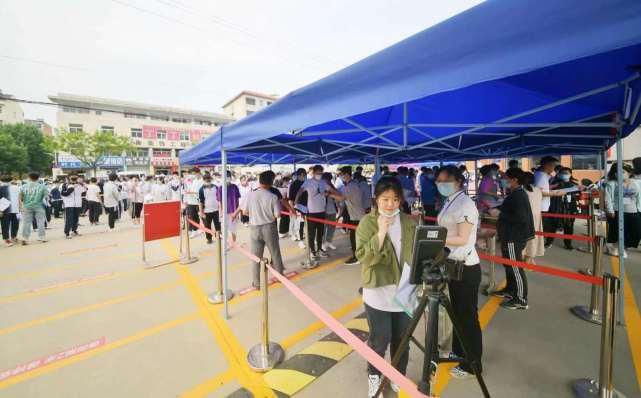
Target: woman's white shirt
x=382 y=297
x=459 y=208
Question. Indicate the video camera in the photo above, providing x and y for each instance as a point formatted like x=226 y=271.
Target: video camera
x=430 y=264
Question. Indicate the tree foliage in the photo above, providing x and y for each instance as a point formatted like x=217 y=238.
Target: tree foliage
x=90 y=148
x=23 y=149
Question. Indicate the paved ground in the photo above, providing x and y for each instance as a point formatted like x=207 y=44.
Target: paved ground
x=82 y=317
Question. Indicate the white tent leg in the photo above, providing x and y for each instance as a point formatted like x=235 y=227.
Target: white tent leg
x=621 y=240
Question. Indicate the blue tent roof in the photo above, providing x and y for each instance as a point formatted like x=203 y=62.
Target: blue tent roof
x=505 y=78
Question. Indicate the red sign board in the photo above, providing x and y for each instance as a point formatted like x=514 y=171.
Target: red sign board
x=161 y=220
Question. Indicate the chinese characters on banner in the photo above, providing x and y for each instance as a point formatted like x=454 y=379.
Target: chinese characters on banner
x=172 y=134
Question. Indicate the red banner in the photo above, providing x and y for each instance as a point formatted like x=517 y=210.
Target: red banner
x=161 y=220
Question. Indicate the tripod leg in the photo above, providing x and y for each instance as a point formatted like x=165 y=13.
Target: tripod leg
x=474 y=364
x=430 y=359
x=405 y=341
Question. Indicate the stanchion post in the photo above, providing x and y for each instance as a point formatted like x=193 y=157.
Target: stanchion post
x=142 y=228
x=218 y=296
x=266 y=354
x=182 y=227
x=187 y=258
x=491 y=284
x=604 y=388
x=592 y=225
x=592 y=313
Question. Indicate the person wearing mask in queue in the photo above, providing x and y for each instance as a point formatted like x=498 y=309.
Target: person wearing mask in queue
x=263 y=208
x=384 y=245
x=72 y=198
x=137 y=199
x=631 y=209
x=285 y=219
x=297 y=224
x=9 y=215
x=111 y=201
x=232 y=208
x=535 y=247
x=56 y=200
x=160 y=190
x=542 y=178
x=331 y=211
x=32 y=195
x=353 y=212
x=209 y=206
x=190 y=196
x=460 y=217
x=515 y=228
x=429 y=192
x=175 y=186
x=244 y=189
x=93 y=201
x=566 y=204
x=488 y=195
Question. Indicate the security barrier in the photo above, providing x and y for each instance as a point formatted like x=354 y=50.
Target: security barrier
x=160 y=220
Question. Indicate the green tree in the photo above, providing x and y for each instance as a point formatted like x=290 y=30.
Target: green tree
x=39 y=154
x=13 y=157
x=90 y=148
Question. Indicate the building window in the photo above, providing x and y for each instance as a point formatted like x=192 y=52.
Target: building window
x=184 y=136
x=135 y=116
x=98 y=112
x=269 y=103
x=136 y=133
x=161 y=134
x=142 y=153
x=68 y=109
x=585 y=162
x=183 y=144
x=80 y=110
x=75 y=128
x=161 y=143
x=107 y=129
x=250 y=101
x=203 y=122
x=162 y=153
x=158 y=117
x=250 y=112
x=180 y=120
x=150 y=142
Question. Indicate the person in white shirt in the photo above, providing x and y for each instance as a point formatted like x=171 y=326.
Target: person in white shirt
x=542 y=179
x=123 y=188
x=72 y=198
x=175 y=187
x=244 y=187
x=111 y=200
x=136 y=197
x=93 y=201
x=9 y=216
x=146 y=187
x=209 y=206
x=190 y=196
x=160 y=190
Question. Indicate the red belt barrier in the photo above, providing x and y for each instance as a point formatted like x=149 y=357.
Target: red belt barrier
x=568 y=216
x=192 y=222
x=323 y=221
x=543 y=269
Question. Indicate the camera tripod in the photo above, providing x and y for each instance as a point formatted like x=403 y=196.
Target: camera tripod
x=434 y=282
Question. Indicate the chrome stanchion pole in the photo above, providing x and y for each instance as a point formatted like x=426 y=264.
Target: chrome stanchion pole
x=491 y=284
x=592 y=223
x=187 y=258
x=604 y=388
x=309 y=262
x=218 y=296
x=266 y=354
x=592 y=312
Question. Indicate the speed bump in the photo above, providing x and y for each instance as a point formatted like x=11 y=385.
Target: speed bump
x=297 y=372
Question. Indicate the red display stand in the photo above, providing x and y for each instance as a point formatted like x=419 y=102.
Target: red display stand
x=160 y=220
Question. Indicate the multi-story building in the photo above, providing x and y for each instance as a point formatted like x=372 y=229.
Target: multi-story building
x=10 y=111
x=159 y=132
x=246 y=103
x=41 y=125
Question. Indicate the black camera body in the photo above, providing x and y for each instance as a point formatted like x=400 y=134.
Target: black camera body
x=430 y=263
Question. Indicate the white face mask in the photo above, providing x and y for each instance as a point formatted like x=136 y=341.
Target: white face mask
x=317 y=177
x=394 y=213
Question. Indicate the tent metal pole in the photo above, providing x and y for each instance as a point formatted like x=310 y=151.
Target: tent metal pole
x=225 y=227
x=476 y=177
x=621 y=228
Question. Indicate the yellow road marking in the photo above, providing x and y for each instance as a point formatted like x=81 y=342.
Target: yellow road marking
x=210 y=385
x=330 y=349
x=632 y=320
x=359 y=324
x=227 y=342
x=487 y=312
x=287 y=381
x=108 y=347
x=90 y=307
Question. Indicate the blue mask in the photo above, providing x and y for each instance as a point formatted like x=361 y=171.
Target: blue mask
x=446 y=188
x=505 y=184
x=564 y=177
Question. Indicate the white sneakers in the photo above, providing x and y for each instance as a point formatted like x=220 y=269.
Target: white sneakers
x=301 y=244
x=328 y=245
x=195 y=233
x=613 y=250
x=374 y=382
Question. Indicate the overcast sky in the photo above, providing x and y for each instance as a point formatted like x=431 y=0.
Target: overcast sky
x=194 y=54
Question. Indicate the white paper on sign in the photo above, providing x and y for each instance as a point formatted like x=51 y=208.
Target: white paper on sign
x=4 y=204
x=405 y=295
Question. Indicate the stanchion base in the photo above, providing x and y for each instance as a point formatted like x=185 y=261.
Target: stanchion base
x=218 y=297
x=261 y=363
x=583 y=312
x=589 y=388
x=188 y=260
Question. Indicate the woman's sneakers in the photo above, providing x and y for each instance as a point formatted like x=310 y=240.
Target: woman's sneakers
x=514 y=304
x=503 y=293
x=374 y=382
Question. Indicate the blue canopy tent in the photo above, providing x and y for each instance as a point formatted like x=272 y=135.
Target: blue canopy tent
x=504 y=78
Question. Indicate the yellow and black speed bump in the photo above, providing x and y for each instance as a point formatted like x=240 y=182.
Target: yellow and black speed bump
x=303 y=368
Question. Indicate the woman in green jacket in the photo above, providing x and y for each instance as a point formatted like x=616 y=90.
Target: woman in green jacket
x=383 y=246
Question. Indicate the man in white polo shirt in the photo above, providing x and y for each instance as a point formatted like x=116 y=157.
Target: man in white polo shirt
x=542 y=178
x=263 y=208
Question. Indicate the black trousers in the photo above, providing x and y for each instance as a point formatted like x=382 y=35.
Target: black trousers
x=10 y=224
x=85 y=206
x=464 y=295
x=209 y=217
x=554 y=224
x=47 y=214
x=631 y=229
x=136 y=209
x=94 y=211
x=56 y=205
x=515 y=276
x=316 y=232
x=71 y=219
x=112 y=213
x=386 y=329
x=352 y=232
x=125 y=204
x=192 y=214
x=283 y=224
x=245 y=219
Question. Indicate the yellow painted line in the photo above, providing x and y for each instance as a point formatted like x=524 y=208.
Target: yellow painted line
x=486 y=314
x=227 y=342
x=330 y=349
x=100 y=350
x=359 y=324
x=209 y=385
x=287 y=381
x=88 y=308
x=632 y=320
x=297 y=337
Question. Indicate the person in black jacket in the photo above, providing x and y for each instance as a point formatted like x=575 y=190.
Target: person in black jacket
x=566 y=204
x=515 y=228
